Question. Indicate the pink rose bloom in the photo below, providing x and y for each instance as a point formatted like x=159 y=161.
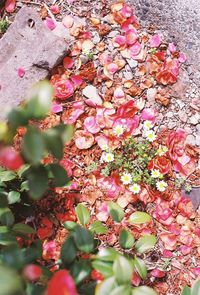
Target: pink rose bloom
x=63 y=89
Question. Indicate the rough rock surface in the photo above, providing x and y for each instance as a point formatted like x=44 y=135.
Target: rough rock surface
x=29 y=45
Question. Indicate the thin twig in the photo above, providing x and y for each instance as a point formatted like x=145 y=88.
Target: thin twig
x=50 y=13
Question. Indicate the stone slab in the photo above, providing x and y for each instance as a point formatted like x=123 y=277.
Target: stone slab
x=194 y=196
x=27 y=44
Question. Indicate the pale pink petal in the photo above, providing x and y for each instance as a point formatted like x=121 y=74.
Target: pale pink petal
x=105 y=58
x=169 y=240
x=56 y=108
x=128 y=24
x=148 y=114
x=167 y=253
x=10 y=5
x=68 y=21
x=78 y=109
x=131 y=37
x=21 y=72
x=185 y=250
x=102 y=141
x=196 y=271
x=182 y=57
x=70 y=1
x=77 y=80
x=158 y=273
x=103 y=212
x=112 y=68
x=119 y=41
x=135 y=49
x=126 y=11
x=55 y=9
x=83 y=139
x=68 y=62
x=91 y=125
x=155 y=41
x=172 y=47
x=49 y=23
x=119 y=93
x=68 y=165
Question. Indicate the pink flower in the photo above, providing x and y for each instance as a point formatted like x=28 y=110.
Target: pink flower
x=10 y=5
x=135 y=49
x=83 y=139
x=131 y=36
x=21 y=72
x=155 y=41
x=91 y=125
x=175 y=144
x=50 y=24
x=63 y=89
x=119 y=41
x=148 y=114
x=49 y=250
x=111 y=185
x=126 y=11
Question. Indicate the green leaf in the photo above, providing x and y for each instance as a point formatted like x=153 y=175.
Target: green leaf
x=143 y=290
x=98 y=228
x=140 y=267
x=24 y=186
x=7 y=239
x=83 y=214
x=17 y=117
x=54 y=143
x=126 y=239
x=37 y=181
x=10 y=282
x=107 y=254
x=145 y=243
x=70 y=225
x=66 y=132
x=123 y=269
x=7 y=176
x=3 y=199
x=23 y=228
x=116 y=211
x=84 y=239
x=104 y=267
x=39 y=100
x=60 y=177
x=33 y=146
x=196 y=288
x=6 y=217
x=186 y=291
x=80 y=271
x=33 y=289
x=121 y=290
x=87 y=288
x=13 y=197
x=105 y=287
x=68 y=251
x=139 y=217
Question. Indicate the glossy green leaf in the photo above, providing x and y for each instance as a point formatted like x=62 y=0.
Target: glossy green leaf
x=10 y=282
x=13 y=197
x=7 y=239
x=196 y=288
x=70 y=225
x=140 y=267
x=60 y=177
x=145 y=243
x=3 y=199
x=6 y=217
x=80 y=271
x=68 y=251
x=139 y=217
x=37 y=181
x=23 y=228
x=33 y=146
x=54 y=143
x=116 y=211
x=83 y=214
x=126 y=239
x=107 y=254
x=7 y=176
x=186 y=291
x=143 y=290
x=104 y=267
x=17 y=117
x=39 y=100
x=106 y=287
x=121 y=290
x=123 y=269
x=84 y=239
x=98 y=227
x=66 y=132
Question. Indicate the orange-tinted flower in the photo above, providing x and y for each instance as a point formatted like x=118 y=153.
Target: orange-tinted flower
x=161 y=163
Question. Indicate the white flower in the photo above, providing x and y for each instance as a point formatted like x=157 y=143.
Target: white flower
x=161 y=150
x=107 y=157
x=135 y=188
x=104 y=147
x=150 y=135
x=118 y=130
x=147 y=125
x=155 y=173
x=161 y=185
x=126 y=178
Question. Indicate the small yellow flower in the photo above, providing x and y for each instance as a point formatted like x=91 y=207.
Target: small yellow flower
x=118 y=130
x=147 y=125
x=126 y=178
x=155 y=173
x=135 y=188
x=161 y=185
x=150 y=135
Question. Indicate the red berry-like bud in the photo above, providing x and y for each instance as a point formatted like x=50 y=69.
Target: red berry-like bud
x=32 y=272
x=61 y=283
x=10 y=159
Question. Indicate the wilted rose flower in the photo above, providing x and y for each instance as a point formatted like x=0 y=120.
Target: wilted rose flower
x=63 y=89
x=175 y=144
x=83 y=139
x=161 y=163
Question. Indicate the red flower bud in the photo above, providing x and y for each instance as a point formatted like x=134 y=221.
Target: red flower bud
x=62 y=283
x=32 y=272
x=10 y=159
